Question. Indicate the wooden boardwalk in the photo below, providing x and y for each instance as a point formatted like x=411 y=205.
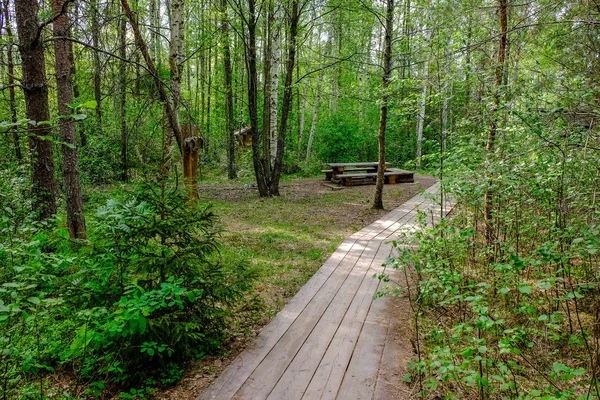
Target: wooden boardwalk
x=331 y=340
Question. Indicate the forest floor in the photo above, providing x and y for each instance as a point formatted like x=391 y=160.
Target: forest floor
x=287 y=239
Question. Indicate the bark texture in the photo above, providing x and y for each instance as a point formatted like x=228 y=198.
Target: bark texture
x=491 y=140
x=387 y=70
x=11 y=83
x=275 y=34
x=97 y=66
x=231 y=170
x=259 y=168
x=122 y=98
x=287 y=97
x=35 y=89
x=68 y=133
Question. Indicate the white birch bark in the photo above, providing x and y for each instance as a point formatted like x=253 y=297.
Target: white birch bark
x=176 y=57
x=421 y=113
x=302 y=120
x=275 y=62
x=313 y=126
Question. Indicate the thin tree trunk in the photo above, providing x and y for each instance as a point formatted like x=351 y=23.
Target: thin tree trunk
x=64 y=91
x=259 y=167
x=302 y=120
x=176 y=57
x=313 y=126
x=11 y=84
x=208 y=94
x=35 y=89
x=421 y=114
x=123 y=97
x=267 y=44
x=97 y=66
x=491 y=140
x=387 y=69
x=78 y=127
x=445 y=100
x=422 y=102
x=231 y=170
x=160 y=86
x=468 y=65
x=275 y=35
x=287 y=97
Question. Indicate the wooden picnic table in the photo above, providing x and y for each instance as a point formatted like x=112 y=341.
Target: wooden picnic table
x=338 y=168
x=349 y=174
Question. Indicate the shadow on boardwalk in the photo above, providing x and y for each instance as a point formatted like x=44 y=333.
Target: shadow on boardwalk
x=332 y=340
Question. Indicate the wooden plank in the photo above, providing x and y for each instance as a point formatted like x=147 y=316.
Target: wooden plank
x=361 y=375
x=397 y=349
x=308 y=314
x=356 y=164
x=329 y=374
x=300 y=371
x=267 y=373
x=229 y=382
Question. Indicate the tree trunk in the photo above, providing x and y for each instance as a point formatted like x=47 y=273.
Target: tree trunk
x=231 y=170
x=97 y=66
x=446 y=95
x=421 y=114
x=267 y=44
x=11 y=84
x=491 y=140
x=123 y=96
x=259 y=167
x=287 y=98
x=78 y=127
x=302 y=120
x=422 y=101
x=64 y=91
x=387 y=69
x=176 y=57
x=313 y=125
x=35 y=89
x=275 y=35
x=162 y=91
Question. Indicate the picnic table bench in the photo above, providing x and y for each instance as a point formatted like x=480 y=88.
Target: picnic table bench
x=352 y=173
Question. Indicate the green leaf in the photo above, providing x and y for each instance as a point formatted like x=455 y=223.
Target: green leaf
x=558 y=367
x=191 y=297
x=34 y=300
x=89 y=104
x=525 y=289
x=79 y=117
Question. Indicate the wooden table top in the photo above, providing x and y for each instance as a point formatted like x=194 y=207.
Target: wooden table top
x=358 y=164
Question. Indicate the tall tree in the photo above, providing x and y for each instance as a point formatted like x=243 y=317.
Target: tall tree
x=275 y=60
x=294 y=18
x=64 y=91
x=122 y=95
x=387 y=70
x=261 y=170
x=35 y=89
x=95 y=26
x=11 y=82
x=231 y=170
x=423 y=98
x=491 y=139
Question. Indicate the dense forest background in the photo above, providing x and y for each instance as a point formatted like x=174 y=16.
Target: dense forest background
x=112 y=111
